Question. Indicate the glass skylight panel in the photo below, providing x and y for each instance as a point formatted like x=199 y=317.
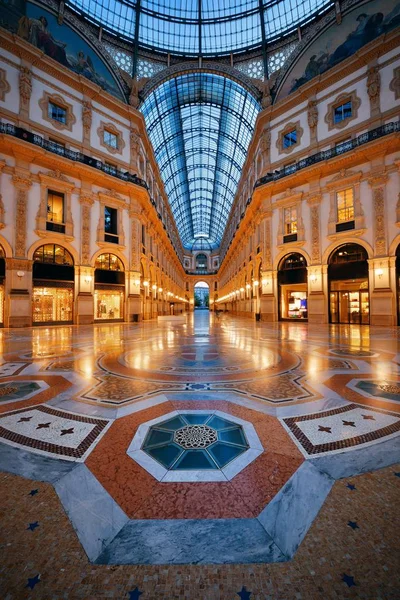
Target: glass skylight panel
x=283 y=16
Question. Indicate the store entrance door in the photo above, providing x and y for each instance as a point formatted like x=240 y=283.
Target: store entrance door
x=350 y=307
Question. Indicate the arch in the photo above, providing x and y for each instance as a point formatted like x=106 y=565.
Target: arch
x=56 y=241
x=109 y=250
x=351 y=240
x=393 y=246
x=67 y=255
x=144 y=268
x=336 y=251
x=108 y=262
x=6 y=247
x=285 y=252
x=192 y=67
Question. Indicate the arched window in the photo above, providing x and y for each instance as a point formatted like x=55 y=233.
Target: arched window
x=53 y=254
x=109 y=262
x=292 y=280
x=293 y=261
x=348 y=253
x=201 y=262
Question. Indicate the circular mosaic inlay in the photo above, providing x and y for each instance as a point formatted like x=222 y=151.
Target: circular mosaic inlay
x=195 y=442
x=195 y=436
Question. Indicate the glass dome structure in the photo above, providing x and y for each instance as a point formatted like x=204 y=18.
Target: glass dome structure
x=200 y=27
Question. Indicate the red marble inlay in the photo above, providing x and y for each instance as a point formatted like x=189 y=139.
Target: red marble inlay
x=141 y=496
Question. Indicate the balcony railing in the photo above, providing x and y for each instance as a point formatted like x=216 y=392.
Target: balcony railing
x=364 y=138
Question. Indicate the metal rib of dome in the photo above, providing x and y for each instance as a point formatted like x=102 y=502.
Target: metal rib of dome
x=200 y=27
x=200 y=126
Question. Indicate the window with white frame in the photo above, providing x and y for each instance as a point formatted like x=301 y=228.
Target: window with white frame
x=110 y=139
x=56 y=112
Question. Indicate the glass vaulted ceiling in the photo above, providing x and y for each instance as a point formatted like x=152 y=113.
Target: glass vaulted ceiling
x=200 y=126
x=200 y=27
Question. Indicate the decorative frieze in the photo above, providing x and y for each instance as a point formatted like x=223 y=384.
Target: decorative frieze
x=86 y=201
x=378 y=184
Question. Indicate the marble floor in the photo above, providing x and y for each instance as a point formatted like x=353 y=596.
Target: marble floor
x=217 y=458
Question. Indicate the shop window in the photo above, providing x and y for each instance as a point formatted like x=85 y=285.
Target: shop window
x=290 y=224
x=108 y=304
x=292 y=281
x=52 y=304
x=348 y=285
x=111 y=225
x=53 y=254
x=55 y=212
x=290 y=138
x=342 y=112
x=345 y=209
x=57 y=113
x=110 y=139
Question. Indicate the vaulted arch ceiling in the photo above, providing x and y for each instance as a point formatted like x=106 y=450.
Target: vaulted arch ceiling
x=200 y=125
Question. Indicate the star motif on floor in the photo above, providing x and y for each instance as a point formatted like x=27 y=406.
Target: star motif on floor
x=349 y=580
x=33 y=492
x=244 y=594
x=24 y=419
x=353 y=524
x=349 y=423
x=351 y=486
x=134 y=594
x=43 y=425
x=32 y=581
x=67 y=431
x=32 y=526
x=327 y=429
x=369 y=417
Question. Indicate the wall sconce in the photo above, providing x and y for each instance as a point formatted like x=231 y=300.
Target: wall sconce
x=20 y=274
x=146 y=283
x=248 y=286
x=313 y=278
x=160 y=290
x=136 y=282
x=154 y=287
x=88 y=279
x=379 y=272
x=256 y=283
x=242 y=289
x=265 y=282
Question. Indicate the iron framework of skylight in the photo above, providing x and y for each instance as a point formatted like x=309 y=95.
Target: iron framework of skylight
x=206 y=28
x=200 y=125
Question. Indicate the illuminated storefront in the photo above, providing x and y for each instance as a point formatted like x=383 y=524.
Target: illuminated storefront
x=53 y=285
x=292 y=281
x=348 y=285
x=109 y=288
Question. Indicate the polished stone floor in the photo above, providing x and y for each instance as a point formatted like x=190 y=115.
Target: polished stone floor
x=215 y=444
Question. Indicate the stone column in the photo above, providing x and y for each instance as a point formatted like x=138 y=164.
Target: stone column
x=382 y=298
x=317 y=293
x=19 y=270
x=85 y=280
x=134 y=300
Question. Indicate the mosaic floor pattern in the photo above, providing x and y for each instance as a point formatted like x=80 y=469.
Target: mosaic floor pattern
x=199 y=443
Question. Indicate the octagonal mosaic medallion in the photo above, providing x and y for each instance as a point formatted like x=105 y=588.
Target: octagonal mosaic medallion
x=195 y=446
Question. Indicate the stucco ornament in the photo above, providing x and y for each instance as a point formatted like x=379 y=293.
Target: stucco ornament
x=87 y=114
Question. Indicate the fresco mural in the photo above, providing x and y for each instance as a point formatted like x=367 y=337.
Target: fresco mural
x=341 y=41
x=39 y=27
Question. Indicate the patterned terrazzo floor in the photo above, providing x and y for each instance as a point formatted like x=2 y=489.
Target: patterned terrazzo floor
x=303 y=506
x=332 y=548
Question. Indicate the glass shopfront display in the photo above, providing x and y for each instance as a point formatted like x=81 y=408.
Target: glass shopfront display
x=52 y=305
x=108 y=305
x=294 y=302
x=348 y=285
x=53 y=285
x=292 y=282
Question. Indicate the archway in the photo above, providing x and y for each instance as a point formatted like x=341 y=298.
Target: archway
x=292 y=283
x=201 y=295
x=53 y=285
x=348 y=285
x=109 y=288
